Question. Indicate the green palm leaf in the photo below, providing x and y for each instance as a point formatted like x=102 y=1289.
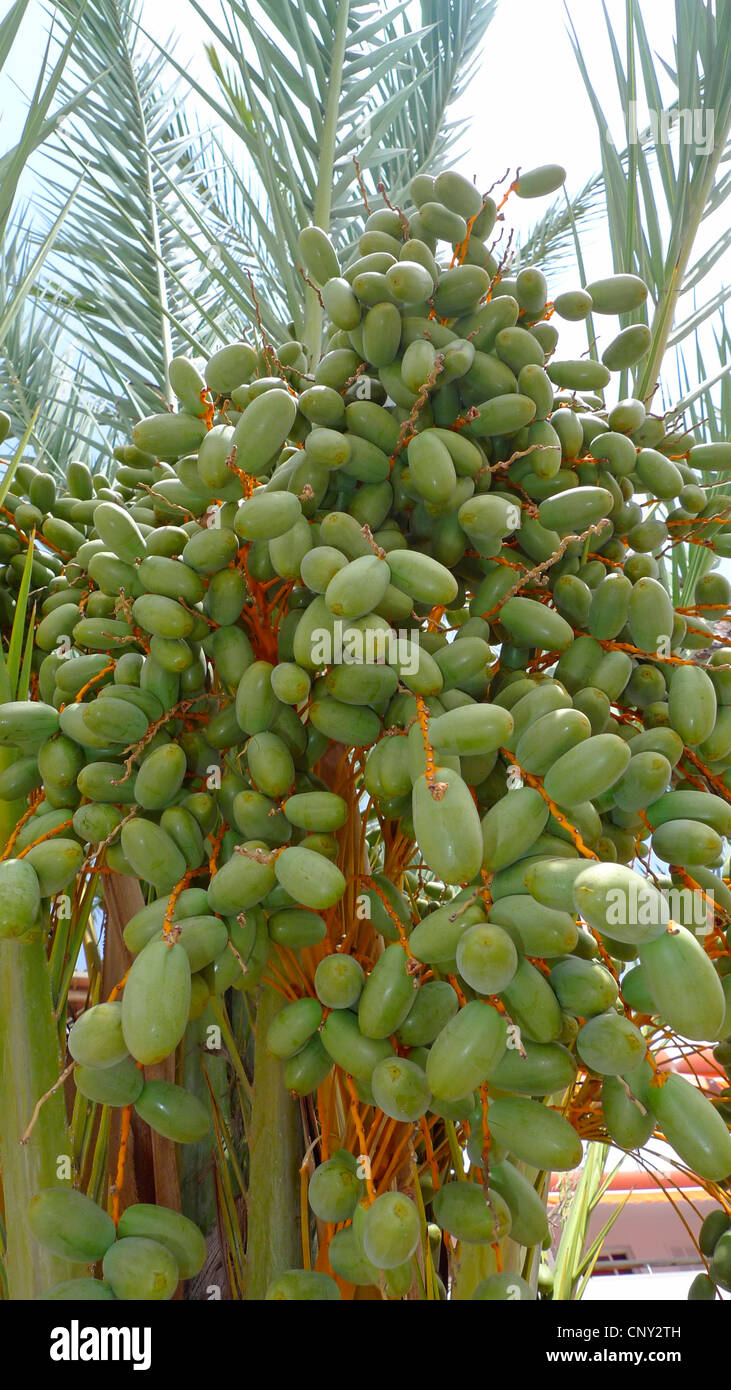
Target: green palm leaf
x=307 y=88
x=650 y=172
x=43 y=385
x=38 y=124
x=123 y=270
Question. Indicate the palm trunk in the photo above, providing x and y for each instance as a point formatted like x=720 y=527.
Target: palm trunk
x=29 y=1066
x=273 y=1220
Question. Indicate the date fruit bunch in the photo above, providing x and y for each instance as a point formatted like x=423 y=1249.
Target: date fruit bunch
x=368 y=668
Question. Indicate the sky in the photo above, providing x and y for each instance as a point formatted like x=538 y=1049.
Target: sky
x=526 y=104
x=543 y=116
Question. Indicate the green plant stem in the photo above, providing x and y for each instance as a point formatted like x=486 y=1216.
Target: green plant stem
x=576 y=1224
x=230 y=1043
x=166 y=342
x=323 y=197
x=29 y=1066
x=275 y=1152
x=206 y=1075
x=676 y=266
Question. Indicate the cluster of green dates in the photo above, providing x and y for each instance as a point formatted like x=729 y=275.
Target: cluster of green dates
x=104 y=1040
x=142 y=1258
x=469 y=549
x=374 y=1244
x=714 y=1242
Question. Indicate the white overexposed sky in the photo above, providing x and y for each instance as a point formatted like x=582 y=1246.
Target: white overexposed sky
x=526 y=102
x=526 y=105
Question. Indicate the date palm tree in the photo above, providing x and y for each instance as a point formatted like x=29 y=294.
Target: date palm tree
x=156 y=235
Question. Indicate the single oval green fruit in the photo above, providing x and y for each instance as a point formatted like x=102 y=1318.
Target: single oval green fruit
x=486 y=958
x=716 y=1224
x=138 y=1269
x=617 y=294
x=692 y=704
x=692 y=1126
x=160 y=777
x=620 y=902
x=545 y=932
x=28 y=723
x=335 y=1189
x=309 y=878
x=120 y=1084
x=56 y=863
x=154 y=856
x=544 y=1069
x=304 y=1072
x=462 y=1209
x=466 y=1050
x=96 y=1038
x=339 y=980
x=702 y=1289
x=20 y=898
x=79 y=1291
x=720 y=1270
x=435 y=1004
x=243 y=881
x=628 y=348
x=538 y=183
x=173 y=1112
x=628 y=1120
x=176 y=1232
x=511 y=827
x=348 y=1261
x=587 y=770
x=471 y=730
x=70 y=1225
x=532 y=1004
x=388 y=995
x=156 y=1002
x=349 y=1048
x=583 y=987
x=528 y=1220
x=303 y=1286
x=296 y=927
x=292 y=1027
x=610 y=1044
x=510 y=1288
x=319 y=811
x=534 y=1133
x=400 y=1089
x=447 y=826
x=687 y=992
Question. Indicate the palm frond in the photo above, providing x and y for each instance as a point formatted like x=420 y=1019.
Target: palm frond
x=337 y=85
x=38 y=123
x=659 y=190
x=43 y=386
x=22 y=286
x=550 y=242
x=122 y=266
